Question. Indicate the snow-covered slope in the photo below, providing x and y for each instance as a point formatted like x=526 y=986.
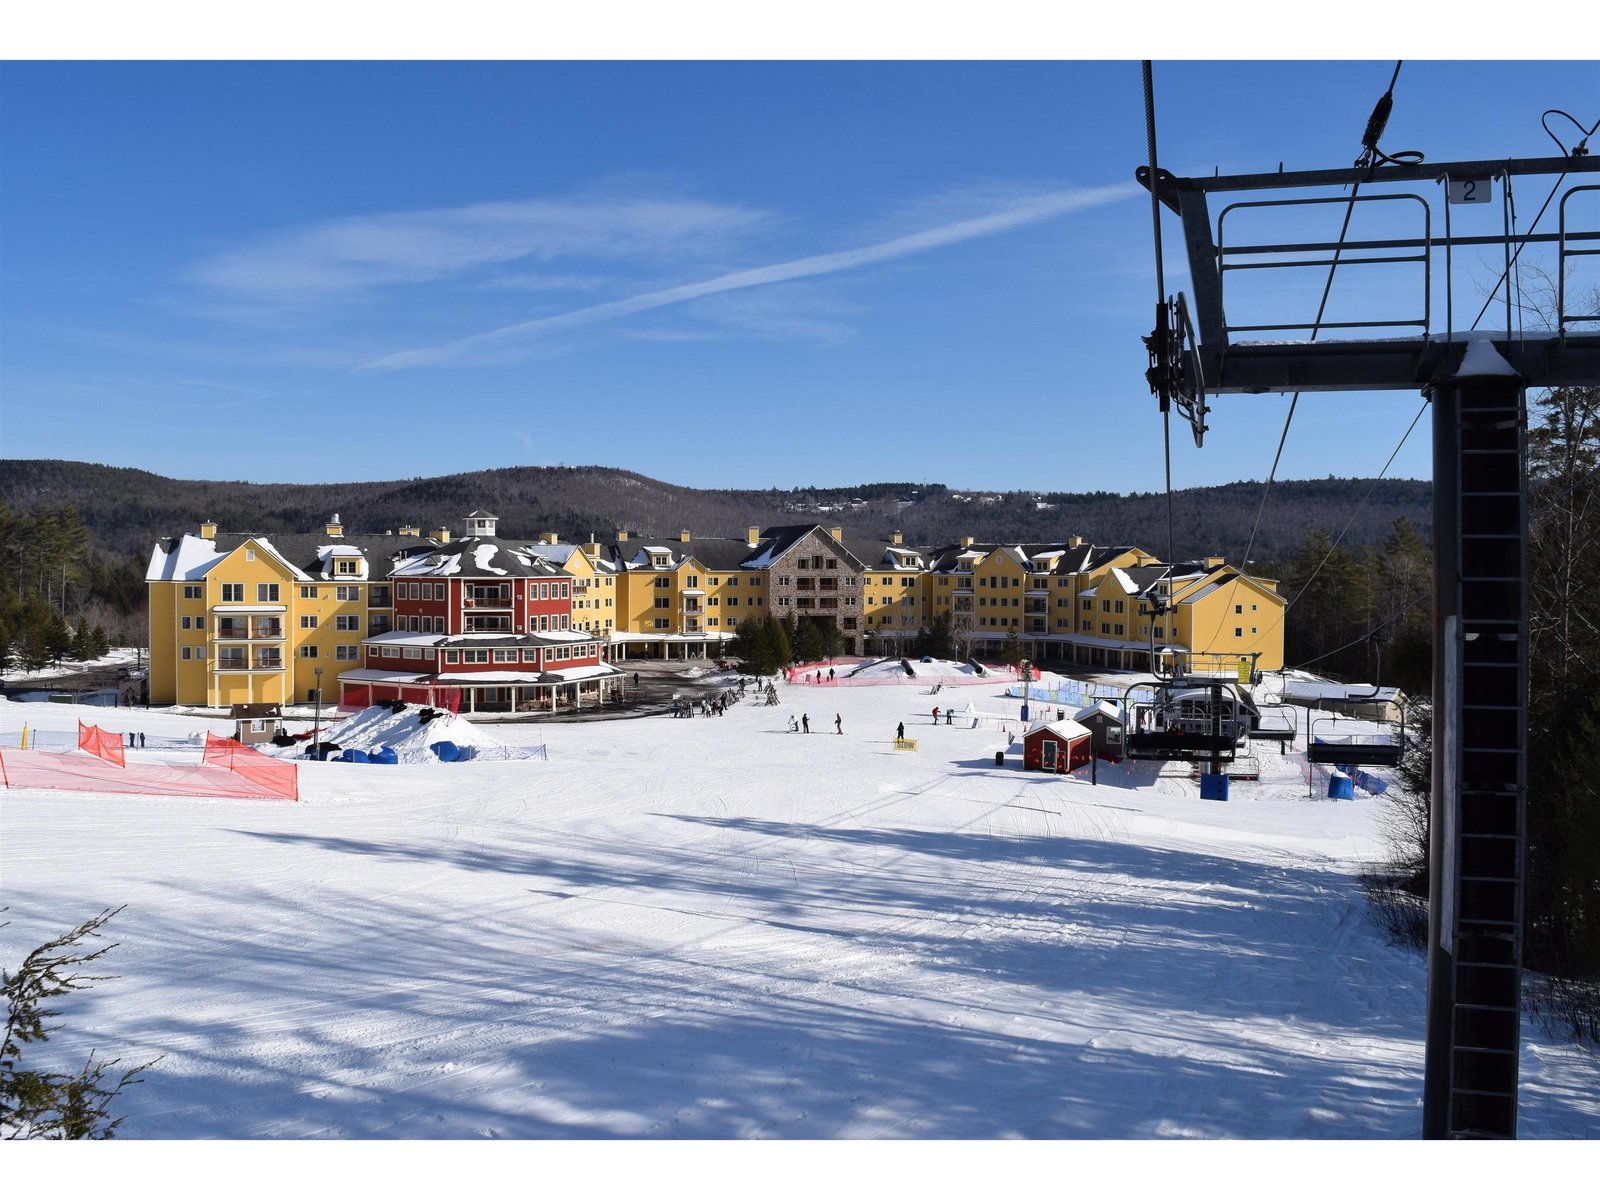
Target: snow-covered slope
x=715 y=928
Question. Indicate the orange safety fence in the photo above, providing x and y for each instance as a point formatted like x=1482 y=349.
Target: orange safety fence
x=279 y=778
x=102 y=744
x=50 y=771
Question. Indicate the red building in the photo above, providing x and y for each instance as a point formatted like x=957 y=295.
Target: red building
x=1060 y=746
x=488 y=616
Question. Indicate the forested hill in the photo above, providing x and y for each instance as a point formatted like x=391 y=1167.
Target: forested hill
x=127 y=510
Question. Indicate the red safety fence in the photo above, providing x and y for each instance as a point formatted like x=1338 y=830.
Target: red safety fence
x=48 y=771
x=364 y=695
x=102 y=744
x=280 y=778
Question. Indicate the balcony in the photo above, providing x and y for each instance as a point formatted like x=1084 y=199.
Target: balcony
x=244 y=631
x=692 y=610
x=240 y=662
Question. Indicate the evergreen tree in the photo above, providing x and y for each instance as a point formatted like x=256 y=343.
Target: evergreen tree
x=46 y=1104
x=807 y=642
x=778 y=634
x=99 y=643
x=1011 y=649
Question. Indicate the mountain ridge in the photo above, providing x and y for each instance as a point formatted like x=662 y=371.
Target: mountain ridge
x=127 y=508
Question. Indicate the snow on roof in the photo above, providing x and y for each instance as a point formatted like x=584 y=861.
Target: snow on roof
x=328 y=553
x=482 y=553
x=400 y=638
x=657 y=550
x=1104 y=707
x=1322 y=689
x=1088 y=592
x=1062 y=729
x=1124 y=581
x=190 y=558
x=369 y=675
x=429 y=564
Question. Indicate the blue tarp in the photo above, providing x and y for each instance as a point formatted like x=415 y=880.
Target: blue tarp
x=354 y=756
x=447 y=751
x=385 y=755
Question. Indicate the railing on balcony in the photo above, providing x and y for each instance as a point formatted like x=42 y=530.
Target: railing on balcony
x=488 y=625
x=243 y=631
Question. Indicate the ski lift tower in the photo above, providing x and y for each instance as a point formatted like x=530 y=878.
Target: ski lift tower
x=1477 y=385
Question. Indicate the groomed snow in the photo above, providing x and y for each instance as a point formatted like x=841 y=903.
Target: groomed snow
x=713 y=928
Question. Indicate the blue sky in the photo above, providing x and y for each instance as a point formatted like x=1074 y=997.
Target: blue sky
x=719 y=274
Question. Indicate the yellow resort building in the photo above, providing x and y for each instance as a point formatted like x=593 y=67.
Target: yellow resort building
x=250 y=618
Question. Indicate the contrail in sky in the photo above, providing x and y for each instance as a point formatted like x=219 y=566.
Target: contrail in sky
x=1040 y=208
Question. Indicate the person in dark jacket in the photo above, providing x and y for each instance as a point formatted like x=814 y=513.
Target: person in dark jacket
x=900 y=732
x=805 y=722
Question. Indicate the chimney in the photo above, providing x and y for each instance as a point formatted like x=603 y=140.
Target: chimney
x=837 y=532
x=897 y=538
x=411 y=531
x=208 y=529
x=966 y=542
x=1074 y=541
x=683 y=535
x=440 y=535
x=1212 y=562
x=551 y=538
x=622 y=535
x=752 y=535
x=592 y=549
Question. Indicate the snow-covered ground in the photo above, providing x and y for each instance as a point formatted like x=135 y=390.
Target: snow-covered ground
x=117 y=656
x=713 y=928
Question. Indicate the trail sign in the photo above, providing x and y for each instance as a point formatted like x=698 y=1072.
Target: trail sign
x=1471 y=191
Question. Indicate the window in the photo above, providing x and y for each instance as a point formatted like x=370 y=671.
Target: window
x=530 y=656
x=390 y=652
x=233 y=593
x=345 y=566
x=378 y=596
x=308 y=652
x=308 y=622
x=186 y=622
x=565 y=594
x=266 y=593
x=350 y=624
x=347 y=653
x=232 y=659
x=195 y=591
x=691 y=581
x=711 y=621
x=1105 y=627
x=1117 y=629
x=186 y=653
x=1118 y=607
x=1238 y=610
x=1105 y=606
x=414 y=652
x=663 y=602
x=783 y=581
x=733 y=602
x=450 y=656
x=662 y=623
x=347 y=593
x=755 y=581
x=833 y=564
x=1252 y=631
x=1237 y=632
x=1088 y=606
x=200 y=653
x=308 y=593
x=505 y=656
x=249 y=556
x=712 y=601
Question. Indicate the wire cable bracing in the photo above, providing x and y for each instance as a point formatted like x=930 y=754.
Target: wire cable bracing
x=1577 y=151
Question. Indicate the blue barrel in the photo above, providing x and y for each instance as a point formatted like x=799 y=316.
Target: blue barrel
x=355 y=756
x=1213 y=787
x=447 y=751
x=1341 y=787
x=385 y=755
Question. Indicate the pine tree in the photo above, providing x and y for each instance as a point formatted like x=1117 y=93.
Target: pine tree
x=48 y=1104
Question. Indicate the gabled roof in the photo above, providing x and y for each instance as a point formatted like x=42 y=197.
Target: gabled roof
x=477 y=558
x=778 y=540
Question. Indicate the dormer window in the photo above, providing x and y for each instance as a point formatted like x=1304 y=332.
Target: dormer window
x=346 y=566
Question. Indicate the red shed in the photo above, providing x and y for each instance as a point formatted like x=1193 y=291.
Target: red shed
x=1060 y=746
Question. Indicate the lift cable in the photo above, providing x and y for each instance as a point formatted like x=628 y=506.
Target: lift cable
x=1161 y=283
x=1411 y=605
x=1365 y=497
x=1577 y=151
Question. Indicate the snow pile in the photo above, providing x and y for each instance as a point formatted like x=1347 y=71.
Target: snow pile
x=938 y=671
x=410 y=737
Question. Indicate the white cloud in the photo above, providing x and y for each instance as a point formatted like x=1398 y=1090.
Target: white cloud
x=499 y=344
x=353 y=254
